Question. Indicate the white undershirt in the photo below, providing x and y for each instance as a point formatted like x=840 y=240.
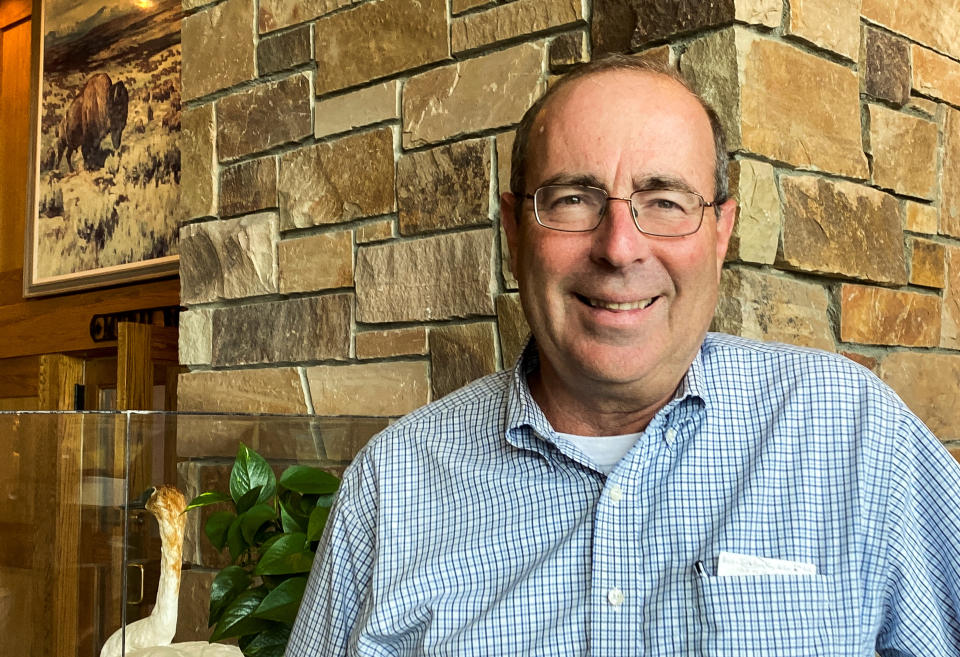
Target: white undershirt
x=604 y=451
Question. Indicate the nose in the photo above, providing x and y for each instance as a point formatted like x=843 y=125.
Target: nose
x=617 y=242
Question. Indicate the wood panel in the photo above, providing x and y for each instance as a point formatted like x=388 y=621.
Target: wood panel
x=15 y=118
x=13 y=11
x=20 y=377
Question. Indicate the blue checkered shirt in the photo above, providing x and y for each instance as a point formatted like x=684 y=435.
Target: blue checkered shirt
x=470 y=528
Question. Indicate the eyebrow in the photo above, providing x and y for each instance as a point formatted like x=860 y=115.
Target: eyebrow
x=642 y=184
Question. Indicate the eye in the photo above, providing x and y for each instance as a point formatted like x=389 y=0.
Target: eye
x=570 y=199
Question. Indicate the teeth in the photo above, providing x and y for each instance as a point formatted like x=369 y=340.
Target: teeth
x=610 y=305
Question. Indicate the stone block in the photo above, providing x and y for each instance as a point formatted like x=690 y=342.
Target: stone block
x=935 y=75
x=886 y=66
x=460 y=354
x=875 y=315
x=926 y=21
x=460 y=6
x=504 y=159
x=924 y=106
x=921 y=218
x=869 y=362
x=659 y=55
x=756 y=234
x=950 y=329
x=356 y=109
x=773 y=307
x=193 y=479
x=338 y=181
x=814 y=126
x=377 y=39
x=248 y=187
x=839 y=227
x=410 y=341
x=275 y=390
x=373 y=389
x=904 y=150
x=342 y=438
x=472 y=95
x=767 y=13
x=264 y=116
x=444 y=187
x=932 y=398
x=286 y=50
x=278 y=14
x=316 y=262
x=833 y=25
x=568 y=49
x=218 y=48
x=432 y=278
x=194 y=602
x=376 y=231
x=927 y=263
x=228 y=259
x=195 y=337
x=198 y=163
x=290 y=331
x=511 y=20
x=950 y=175
x=512 y=327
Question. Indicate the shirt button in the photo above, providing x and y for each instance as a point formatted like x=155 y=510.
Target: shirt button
x=615 y=597
x=615 y=493
x=671 y=434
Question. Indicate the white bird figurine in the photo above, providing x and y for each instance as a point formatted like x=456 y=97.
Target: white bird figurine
x=151 y=636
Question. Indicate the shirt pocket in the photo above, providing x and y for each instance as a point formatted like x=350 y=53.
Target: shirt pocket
x=778 y=615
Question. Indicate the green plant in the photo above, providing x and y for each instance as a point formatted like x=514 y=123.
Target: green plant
x=271 y=534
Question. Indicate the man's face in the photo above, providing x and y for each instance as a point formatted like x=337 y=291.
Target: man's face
x=617 y=313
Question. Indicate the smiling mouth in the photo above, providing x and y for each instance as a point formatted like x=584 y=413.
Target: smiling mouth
x=619 y=306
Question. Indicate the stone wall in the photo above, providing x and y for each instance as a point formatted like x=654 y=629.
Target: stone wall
x=341 y=252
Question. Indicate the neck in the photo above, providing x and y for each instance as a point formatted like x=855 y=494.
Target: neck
x=171 y=560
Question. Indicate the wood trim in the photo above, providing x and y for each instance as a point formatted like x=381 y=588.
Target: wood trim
x=13 y=11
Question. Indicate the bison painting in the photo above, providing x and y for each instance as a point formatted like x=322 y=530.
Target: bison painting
x=99 y=109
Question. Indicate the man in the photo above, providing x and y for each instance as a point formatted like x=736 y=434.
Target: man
x=635 y=485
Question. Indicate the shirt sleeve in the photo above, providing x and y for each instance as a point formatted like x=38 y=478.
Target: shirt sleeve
x=922 y=598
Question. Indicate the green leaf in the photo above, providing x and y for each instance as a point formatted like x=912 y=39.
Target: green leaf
x=235 y=540
x=206 y=499
x=292 y=521
x=318 y=520
x=216 y=528
x=249 y=471
x=282 y=603
x=238 y=618
x=226 y=586
x=307 y=479
x=325 y=500
x=248 y=500
x=269 y=643
x=254 y=519
x=288 y=554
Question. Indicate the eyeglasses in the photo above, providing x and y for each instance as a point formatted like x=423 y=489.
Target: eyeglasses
x=580 y=208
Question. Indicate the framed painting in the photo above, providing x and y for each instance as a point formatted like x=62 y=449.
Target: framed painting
x=105 y=155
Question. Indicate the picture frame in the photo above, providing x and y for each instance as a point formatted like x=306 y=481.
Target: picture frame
x=103 y=199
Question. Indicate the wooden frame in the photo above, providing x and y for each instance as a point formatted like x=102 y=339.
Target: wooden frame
x=104 y=159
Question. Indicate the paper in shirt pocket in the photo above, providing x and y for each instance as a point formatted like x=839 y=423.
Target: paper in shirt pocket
x=782 y=615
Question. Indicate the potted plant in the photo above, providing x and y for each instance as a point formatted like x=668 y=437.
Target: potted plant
x=271 y=531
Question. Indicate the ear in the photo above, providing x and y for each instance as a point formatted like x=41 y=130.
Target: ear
x=510 y=220
x=725 y=222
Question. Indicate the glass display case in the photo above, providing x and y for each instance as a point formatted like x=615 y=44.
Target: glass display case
x=77 y=559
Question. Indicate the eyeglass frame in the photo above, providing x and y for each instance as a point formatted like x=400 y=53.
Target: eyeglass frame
x=633 y=214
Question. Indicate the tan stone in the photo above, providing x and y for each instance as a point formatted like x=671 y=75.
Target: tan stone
x=472 y=95
x=316 y=262
x=275 y=390
x=248 y=186
x=438 y=277
x=904 y=150
x=510 y=20
x=195 y=337
x=927 y=263
x=460 y=354
x=568 y=49
x=228 y=259
x=773 y=307
x=928 y=383
x=875 y=315
x=278 y=14
x=759 y=12
x=839 y=227
x=356 y=109
x=932 y=22
x=512 y=327
x=193 y=479
x=338 y=181
x=659 y=55
x=504 y=161
x=869 y=362
x=198 y=159
x=376 y=231
x=830 y=24
x=377 y=39
x=756 y=234
x=936 y=75
x=745 y=76
x=375 y=389
x=284 y=50
x=950 y=329
x=444 y=187
x=921 y=218
x=924 y=105
x=194 y=604
x=218 y=47
x=460 y=6
x=950 y=175
x=264 y=116
x=344 y=437
x=410 y=341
